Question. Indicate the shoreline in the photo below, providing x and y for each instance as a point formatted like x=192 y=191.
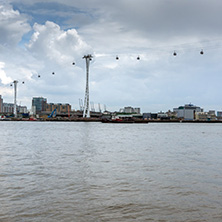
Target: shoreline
x=100 y=120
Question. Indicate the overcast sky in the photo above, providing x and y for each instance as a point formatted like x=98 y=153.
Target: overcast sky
x=41 y=37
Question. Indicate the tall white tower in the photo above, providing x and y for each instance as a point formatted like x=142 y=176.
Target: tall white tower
x=86 y=111
x=15 y=95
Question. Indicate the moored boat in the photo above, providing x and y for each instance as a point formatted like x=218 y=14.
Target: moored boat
x=123 y=119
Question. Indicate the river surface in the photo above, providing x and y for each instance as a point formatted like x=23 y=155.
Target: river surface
x=84 y=171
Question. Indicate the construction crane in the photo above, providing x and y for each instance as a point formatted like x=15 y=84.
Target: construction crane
x=53 y=114
x=92 y=106
x=99 y=108
x=80 y=104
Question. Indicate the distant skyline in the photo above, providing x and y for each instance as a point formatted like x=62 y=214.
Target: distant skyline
x=41 y=37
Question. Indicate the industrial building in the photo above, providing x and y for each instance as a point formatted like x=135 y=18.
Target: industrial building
x=187 y=112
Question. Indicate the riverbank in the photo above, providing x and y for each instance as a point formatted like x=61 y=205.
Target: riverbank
x=81 y=119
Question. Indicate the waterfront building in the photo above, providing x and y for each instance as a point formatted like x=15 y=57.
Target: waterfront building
x=212 y=115
x=1 y=104
x=171 y=114
x=40 y=106
x=130 y=109
x=8 y=108
x=219 y=113
x=187 y=112
x=212 y=112
x=149 y=115
x=202 y=116
x=205 y=116
x=33 y=110
x=39 y=103
x=162 y=115
x=60 y=108
x=22 y=109
x=137 y=110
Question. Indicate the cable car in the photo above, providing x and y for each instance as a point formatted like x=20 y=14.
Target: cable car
x=23 y=82
x=39 y=76
x=73 y=63
x=117 y=58
x=138 y=58
x=174 y=53
x=53 y=73
x=201 y=52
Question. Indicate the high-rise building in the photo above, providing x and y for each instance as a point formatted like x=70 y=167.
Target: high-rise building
x=39 y=103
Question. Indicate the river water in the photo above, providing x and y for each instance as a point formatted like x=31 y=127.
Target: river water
x=84 y=171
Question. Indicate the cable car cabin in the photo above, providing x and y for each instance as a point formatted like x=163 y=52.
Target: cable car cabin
x=201 y=52
x=73 y=63
x=23 y=82
x=174 y=53
x=39 y=76
x=138 y=58
x=117 y=58
x=53 y=73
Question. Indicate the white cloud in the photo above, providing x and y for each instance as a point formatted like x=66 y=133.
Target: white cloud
x=13 y=26
x=4 y=78
x=50 y=42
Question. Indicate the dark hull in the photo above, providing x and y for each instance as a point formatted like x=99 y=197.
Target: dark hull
x=124 y=121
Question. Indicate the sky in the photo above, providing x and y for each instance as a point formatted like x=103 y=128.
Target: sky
x=40 y=37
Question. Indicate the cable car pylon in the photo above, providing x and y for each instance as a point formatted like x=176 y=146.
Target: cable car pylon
x=86 y=111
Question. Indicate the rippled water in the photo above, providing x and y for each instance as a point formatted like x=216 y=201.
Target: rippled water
x=54 y=171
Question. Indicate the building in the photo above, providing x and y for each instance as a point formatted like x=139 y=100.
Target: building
x=162 y=116
x=212 y=112
x=187 y=112
x=1 y=104
x=130 y=109
x=219 y=114
x=39 y=103
x=137 y=110
x=206 y=116
x=60 y=108
x=40 y=106
x=8 y=108
x=202 y=116
x=22 y=109
x=149 y=115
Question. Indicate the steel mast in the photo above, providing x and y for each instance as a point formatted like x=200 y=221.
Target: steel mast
x=86 y=111
x=15 y=95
